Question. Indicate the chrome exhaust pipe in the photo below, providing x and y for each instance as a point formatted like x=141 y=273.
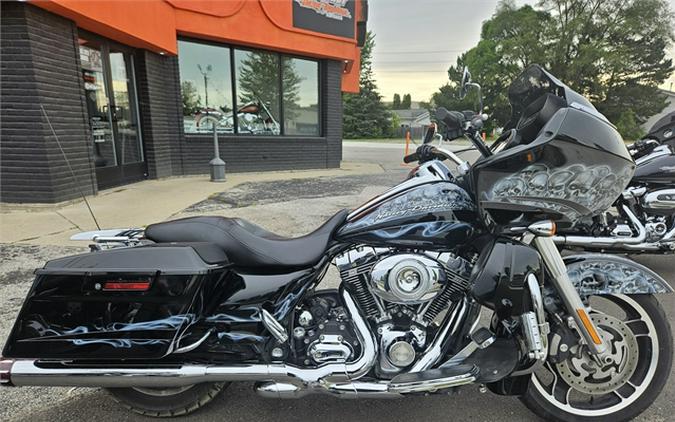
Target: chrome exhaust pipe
x=628 y=243
x=37 y=373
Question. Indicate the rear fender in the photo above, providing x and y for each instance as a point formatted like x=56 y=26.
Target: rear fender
x=600 y=274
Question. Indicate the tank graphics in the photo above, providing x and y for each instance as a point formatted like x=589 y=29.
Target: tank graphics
x=427 y=215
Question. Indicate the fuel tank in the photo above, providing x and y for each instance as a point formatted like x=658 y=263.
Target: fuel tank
x=660 y=170
x=435 y=215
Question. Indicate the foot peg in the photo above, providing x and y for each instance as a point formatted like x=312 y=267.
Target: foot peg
x=480 y=339
x=483 y=337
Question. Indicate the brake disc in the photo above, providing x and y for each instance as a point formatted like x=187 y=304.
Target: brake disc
x=584 y=374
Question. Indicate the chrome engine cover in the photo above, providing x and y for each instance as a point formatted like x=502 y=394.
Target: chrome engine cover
x=661 y=201
x=407 y=279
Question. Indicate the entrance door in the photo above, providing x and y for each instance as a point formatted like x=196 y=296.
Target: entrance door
x=110 y=90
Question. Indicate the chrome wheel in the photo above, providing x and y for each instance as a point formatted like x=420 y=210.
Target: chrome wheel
x=580 y=386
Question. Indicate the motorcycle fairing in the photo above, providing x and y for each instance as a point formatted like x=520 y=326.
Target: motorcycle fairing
x=563 y=175
x=598 y=274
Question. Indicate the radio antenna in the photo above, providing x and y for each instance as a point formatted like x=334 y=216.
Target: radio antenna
x=72 y=173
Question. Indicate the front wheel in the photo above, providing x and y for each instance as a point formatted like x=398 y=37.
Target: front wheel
x=641 y=348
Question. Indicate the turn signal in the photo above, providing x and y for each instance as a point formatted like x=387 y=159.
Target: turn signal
x=545 y=228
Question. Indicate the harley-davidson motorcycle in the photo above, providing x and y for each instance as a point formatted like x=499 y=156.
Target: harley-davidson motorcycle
x=643 y=217
x=166 y=317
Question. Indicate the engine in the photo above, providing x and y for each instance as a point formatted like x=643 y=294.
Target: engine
x=402 y=293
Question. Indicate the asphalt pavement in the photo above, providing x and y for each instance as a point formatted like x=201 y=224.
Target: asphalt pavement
x=289 y=207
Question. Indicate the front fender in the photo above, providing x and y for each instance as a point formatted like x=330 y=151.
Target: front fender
x=599 y=274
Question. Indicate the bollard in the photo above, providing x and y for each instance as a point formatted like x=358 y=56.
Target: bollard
x=217 y=165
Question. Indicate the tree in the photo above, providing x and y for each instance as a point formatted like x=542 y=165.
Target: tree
x=407 y=101
x=258 y=80
x=192 y=102
x=612 y=51
x=364 y=115
x=396 y=105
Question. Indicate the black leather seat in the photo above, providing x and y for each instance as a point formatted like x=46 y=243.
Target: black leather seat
x=246 y=244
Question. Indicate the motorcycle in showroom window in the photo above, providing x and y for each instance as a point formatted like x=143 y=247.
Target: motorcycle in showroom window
x=272 y=94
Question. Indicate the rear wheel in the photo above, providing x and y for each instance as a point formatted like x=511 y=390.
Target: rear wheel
x=641 y=351
x=167 y=402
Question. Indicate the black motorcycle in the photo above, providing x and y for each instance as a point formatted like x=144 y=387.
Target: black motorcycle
x=643 y=217
x=165 y=318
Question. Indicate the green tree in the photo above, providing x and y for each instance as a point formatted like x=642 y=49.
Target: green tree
x=364 y=115
x=396 y=105
x=258 y=80
x=405 y=103
x=612 y=51
x=192 y=102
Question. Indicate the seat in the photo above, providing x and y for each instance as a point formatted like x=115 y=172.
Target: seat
x=246 y=244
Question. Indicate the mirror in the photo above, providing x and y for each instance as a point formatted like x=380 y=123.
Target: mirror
x=466 y=80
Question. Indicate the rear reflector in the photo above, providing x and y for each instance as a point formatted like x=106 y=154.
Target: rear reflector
x=126 y=286
x=6 y=371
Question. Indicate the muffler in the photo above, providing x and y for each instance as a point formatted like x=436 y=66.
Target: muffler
x=39 y=373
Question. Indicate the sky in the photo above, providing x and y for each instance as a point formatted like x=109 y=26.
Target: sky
x=417 y=40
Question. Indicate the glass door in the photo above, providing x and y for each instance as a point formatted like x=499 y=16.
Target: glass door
x=108 y=74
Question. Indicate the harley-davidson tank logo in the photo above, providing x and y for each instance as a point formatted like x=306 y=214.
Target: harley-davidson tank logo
x=333 y=9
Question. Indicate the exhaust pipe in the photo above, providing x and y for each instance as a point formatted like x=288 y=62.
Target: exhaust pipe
x=617 y=243
x=35 y=372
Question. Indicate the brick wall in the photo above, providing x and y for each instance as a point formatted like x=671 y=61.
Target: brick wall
x=40 y=65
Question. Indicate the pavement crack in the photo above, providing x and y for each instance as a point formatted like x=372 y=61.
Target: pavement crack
x=69 y=220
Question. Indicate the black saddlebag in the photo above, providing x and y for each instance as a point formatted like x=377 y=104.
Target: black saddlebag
x=126 y=303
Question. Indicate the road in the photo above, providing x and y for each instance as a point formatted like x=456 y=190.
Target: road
x=268 y=204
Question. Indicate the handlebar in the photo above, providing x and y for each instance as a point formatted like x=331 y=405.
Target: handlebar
x=456 y=123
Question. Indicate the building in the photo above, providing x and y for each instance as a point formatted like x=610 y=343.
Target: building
x=414 y=120
x=133 y=89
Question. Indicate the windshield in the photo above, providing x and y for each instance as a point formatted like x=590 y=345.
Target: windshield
x=535 y=82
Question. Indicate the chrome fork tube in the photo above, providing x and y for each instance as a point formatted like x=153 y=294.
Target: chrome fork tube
x=571 y=299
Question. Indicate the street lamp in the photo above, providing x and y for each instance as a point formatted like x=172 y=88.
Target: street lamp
x=205 y=74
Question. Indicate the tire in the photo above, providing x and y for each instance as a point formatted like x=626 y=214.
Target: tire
x=167 y=402
x=540 y=401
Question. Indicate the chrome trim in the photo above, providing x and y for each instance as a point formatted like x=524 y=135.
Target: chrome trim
x=651 y=200
x=540 y=313
x=451 y=325
x=592 y=242
x=433 y=384
x=273 y=326
x=193 y=346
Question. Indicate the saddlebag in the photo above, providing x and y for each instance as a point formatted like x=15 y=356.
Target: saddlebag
x=125 y=303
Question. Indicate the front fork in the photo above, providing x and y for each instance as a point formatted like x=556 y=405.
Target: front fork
x=569 y=295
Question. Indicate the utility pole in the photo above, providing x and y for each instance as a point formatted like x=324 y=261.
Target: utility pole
x=205 y=74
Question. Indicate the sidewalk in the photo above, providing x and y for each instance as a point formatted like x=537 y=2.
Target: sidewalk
x=136 y=205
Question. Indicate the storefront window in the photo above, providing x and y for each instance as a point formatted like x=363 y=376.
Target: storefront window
x=269 y=88
x=257 y=75
x=206 y=86
x=301 y=97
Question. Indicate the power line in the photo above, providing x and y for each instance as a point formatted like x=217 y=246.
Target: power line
x=376 y=52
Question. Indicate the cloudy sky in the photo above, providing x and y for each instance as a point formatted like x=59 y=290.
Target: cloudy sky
x=417 y=40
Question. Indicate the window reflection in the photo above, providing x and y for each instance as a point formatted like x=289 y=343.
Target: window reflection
x=206 y=86
x=301 y=97
x=257 y=75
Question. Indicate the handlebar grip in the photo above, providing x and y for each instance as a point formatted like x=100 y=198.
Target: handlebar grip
x=411 y=158
x=452 y=119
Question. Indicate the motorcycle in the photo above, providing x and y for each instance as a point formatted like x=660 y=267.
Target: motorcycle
x=165 y=318
x=643 y=217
